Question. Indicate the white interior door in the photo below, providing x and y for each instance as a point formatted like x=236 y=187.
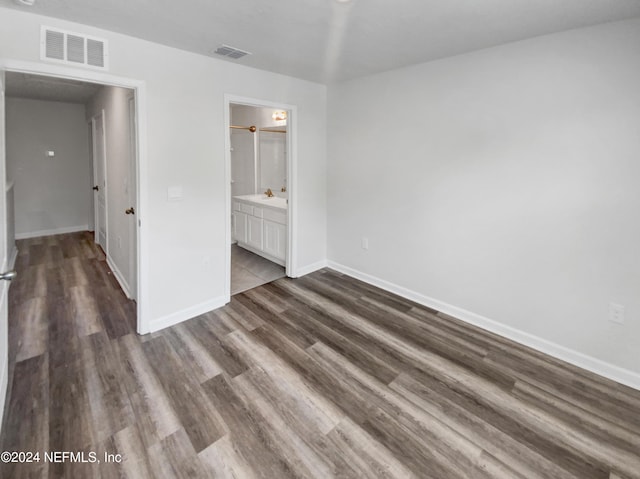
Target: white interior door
x=133 y=201
x=99 y=180
x=4 y=285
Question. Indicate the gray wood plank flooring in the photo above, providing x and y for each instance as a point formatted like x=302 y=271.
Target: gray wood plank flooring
x=322 y=376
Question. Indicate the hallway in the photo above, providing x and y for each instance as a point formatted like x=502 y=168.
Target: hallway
x=65 y=308
x=64 y=291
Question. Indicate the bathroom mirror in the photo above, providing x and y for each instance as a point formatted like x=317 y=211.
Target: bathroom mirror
x=272 y=157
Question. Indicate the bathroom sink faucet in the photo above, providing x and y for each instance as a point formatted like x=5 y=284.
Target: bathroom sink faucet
x=269 y=193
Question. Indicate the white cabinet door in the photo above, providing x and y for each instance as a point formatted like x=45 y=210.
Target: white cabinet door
x=275 y=239
x=254 y=232
x=240 y=226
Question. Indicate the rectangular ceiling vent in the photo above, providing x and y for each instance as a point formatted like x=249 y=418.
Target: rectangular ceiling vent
x=73 y=48
x=231 y=52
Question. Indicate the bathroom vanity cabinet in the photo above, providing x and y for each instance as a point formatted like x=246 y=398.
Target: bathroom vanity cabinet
x=259 y=224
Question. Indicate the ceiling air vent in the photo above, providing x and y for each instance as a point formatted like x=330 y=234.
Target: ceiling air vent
x=231 y=52
x=73 y=48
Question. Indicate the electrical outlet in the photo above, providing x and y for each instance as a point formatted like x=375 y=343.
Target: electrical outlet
x=616 y=313
x=119 y=242
x=365 y=243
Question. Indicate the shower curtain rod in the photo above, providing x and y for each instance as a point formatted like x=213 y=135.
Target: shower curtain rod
x=253 y=129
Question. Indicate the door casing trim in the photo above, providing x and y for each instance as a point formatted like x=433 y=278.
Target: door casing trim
x=292 y=183
x=139 y=86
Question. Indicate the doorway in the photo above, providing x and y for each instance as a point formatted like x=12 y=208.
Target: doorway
x=260 y=194
x=130 y=239
x=46 y=114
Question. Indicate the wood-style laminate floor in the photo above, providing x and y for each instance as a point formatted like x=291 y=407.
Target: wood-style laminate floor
x=323 y=376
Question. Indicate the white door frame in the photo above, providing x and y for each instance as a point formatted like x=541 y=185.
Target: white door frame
x=132 y=184
x=4 y=263
x=59 y=71
x=292 y=183
x=91 y=176
x=95 y=144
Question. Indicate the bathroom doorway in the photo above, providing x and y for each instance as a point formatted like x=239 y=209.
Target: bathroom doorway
x=259 y=159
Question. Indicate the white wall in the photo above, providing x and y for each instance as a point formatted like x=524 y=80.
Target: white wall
x=115 y=103
x=503 y=182
x=51 y=194
x=185 y=147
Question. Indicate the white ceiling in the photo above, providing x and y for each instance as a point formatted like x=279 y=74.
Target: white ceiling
x=327 y=40
x=36 y=87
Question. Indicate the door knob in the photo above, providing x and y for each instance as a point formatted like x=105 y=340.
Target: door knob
x=130 y=211
x=8 y=276
x=96 y=188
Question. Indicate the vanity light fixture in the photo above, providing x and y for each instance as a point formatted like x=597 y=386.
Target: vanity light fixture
x=279 y=115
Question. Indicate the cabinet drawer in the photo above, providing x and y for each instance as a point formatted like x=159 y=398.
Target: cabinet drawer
x=257 y=212
x=246 y=208
x=236 y=206
x=275 y=216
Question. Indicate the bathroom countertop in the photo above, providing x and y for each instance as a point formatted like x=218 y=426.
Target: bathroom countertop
x=263 y=200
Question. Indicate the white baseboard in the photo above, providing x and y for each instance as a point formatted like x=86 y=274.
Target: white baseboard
x=310 y=268
x=597 y=366
x=188 y=313
x=56 y=231
x=119 y=277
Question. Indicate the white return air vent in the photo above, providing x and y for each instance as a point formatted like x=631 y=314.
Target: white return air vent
x=73 y=48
